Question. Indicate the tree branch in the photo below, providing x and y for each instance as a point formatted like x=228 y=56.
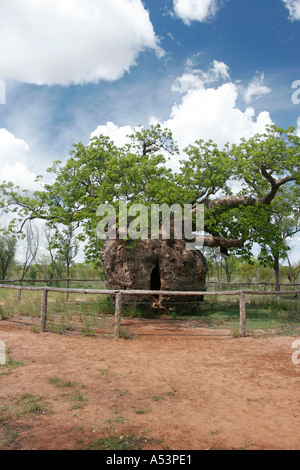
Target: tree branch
x=230 y=202
x=216 y=241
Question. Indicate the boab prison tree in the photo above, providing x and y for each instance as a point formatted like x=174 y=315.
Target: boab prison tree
x=154 y=265
x=265 y=166
x=157 y=265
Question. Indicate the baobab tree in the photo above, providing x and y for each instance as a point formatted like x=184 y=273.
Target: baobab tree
x=263 y=166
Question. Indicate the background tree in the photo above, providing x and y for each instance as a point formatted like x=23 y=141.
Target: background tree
x=32 y=241
x=47 y=263
x=247 y=271
x=67 y=249
x=8 y=244
x=283 y=223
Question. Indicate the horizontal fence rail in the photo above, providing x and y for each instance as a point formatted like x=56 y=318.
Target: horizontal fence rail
x=261 y=283
x=215 y=284
x=220 y=283
x=51 y=280
x=119 y=293
x=58 y=289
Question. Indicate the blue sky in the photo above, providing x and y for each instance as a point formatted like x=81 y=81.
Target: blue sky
x=220 y=69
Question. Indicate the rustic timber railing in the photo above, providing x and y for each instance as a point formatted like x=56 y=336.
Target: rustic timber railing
x=215 y=283
x=118 y=299
x=265 y=284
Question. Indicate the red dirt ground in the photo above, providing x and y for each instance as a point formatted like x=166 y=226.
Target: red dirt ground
x=177 y=387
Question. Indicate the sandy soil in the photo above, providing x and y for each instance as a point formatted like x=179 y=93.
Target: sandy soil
x=176 y=387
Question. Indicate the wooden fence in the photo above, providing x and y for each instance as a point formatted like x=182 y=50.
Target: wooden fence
x=118 y=303
x=292 y=285
x=215 y=283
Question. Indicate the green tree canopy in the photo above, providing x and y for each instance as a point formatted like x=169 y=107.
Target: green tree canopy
x=261 y=167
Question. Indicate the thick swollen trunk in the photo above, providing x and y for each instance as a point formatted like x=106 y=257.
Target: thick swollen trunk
x=155 y=265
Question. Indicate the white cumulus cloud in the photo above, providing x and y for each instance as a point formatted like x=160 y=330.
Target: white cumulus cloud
x=12 y=149
x=208 y=108
x=209 y=113
x=117 y=134
x=195 y=78
x=195 y=10
x=14 y=161
x=294 y=8
x=20 y=175
x=256 y=88
x=72 y=41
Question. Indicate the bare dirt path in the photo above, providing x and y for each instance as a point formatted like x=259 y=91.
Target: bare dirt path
x=172 y=386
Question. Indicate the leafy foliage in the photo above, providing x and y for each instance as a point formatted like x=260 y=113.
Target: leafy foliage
x=245 y=187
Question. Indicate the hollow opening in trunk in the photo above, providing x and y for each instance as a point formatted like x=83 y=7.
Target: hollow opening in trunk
x=155 y=281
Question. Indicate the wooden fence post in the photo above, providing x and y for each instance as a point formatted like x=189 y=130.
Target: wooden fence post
x=44 y=310
x=118 y=312
x=242 y=314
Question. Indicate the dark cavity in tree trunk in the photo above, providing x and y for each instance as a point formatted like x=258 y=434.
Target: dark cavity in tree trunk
x=155 y=281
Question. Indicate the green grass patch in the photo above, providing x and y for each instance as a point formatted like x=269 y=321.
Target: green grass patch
x=278 y=316
x=173 y=393
x=62 y=316
x=106 y=374
x=139 y=411
x=10 y=363
x=117 y=418
x=8 y=438
x=135 y=311
x=60 y=383
x=79 y=400
x=120 y=443
x=158 y=397
x=76 y=396
x=33 y=404
x=121 y=393
x=13 y=363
